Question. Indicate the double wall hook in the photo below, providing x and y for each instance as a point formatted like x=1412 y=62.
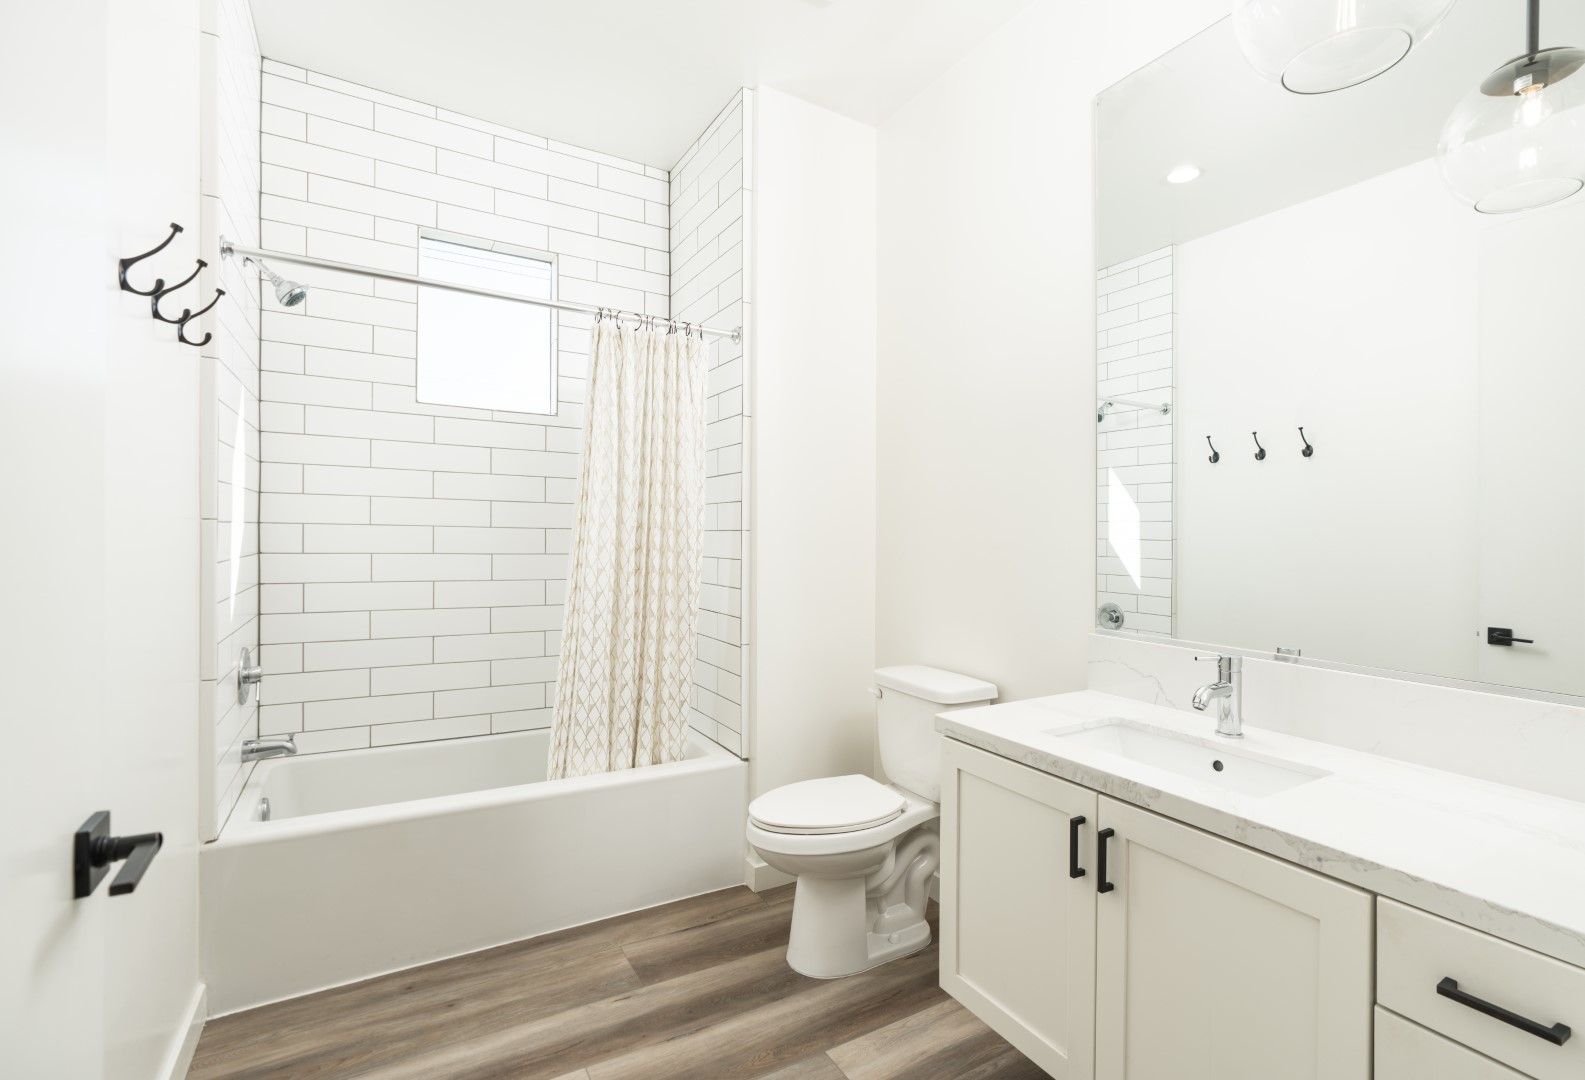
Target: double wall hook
x=1260 y=451
x=159 y=294
x=188 y=316
x=1216 y=455
x=1308 y=451
x=129 y=263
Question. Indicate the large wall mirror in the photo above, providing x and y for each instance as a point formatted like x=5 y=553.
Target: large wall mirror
x=1270 y=261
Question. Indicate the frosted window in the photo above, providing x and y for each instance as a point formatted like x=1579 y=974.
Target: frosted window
x=478 y=351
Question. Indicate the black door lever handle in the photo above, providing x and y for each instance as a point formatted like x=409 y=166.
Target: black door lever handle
x=94 y=849
x=1502 y=635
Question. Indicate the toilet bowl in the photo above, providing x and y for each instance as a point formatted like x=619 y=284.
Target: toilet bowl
x=864 y=852
x=862 y=884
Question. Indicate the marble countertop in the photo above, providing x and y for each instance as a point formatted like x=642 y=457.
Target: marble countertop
x=1497 y=858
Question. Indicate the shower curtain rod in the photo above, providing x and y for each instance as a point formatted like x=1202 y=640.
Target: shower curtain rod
x=227 y=249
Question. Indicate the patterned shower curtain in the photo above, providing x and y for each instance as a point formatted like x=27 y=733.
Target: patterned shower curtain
x=627 y=650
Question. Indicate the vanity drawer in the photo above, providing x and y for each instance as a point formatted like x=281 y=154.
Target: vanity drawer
x=1406 y=1051
x=1452 y=979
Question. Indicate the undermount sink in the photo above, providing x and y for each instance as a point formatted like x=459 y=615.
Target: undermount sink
x=1208 y=761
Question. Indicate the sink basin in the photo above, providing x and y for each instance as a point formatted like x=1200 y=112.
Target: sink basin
x=1209 y=761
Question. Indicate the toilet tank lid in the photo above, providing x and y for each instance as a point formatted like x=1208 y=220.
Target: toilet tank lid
x=935 y=685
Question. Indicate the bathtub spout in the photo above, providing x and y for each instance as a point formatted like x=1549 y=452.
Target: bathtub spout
x=258 y=749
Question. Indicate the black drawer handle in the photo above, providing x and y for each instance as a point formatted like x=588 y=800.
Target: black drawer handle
x=1101 y=884
x=1557 y=1034
x=1074 y=869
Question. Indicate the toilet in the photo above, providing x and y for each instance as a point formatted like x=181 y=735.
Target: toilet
x=863 y=851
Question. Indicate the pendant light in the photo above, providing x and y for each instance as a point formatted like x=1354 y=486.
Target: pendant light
x=1318 y=46
x=1517 y=142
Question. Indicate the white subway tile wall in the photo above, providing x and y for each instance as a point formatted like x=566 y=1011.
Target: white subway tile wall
x=414 y=557
x=229 y=366
x=1133 y=331
x=710 y=199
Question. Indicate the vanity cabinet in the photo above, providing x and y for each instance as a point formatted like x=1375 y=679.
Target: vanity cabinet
x=1018 y=905
x=1188 y=958
x=1216 y=962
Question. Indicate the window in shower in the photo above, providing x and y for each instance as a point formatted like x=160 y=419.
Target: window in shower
x=482 y=352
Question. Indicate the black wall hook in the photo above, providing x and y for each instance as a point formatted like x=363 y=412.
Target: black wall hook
x=1308 y=451
x=181 y=324
x=1215 y=454
x=1260 y=451
x=159 y=294
x=129 y=263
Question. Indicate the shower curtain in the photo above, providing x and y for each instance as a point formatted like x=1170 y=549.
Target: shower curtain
x=627 y=651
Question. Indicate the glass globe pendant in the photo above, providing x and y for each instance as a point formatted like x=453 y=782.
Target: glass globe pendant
x=1517 y=142
x=1318 y=46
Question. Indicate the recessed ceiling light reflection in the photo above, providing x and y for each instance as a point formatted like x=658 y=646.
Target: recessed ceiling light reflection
x=1183 y=174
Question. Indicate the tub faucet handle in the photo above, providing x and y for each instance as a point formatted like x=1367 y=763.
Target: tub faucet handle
x=250 y=672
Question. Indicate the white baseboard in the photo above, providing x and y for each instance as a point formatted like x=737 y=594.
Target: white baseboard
x=760 y=875
x=182 y=1050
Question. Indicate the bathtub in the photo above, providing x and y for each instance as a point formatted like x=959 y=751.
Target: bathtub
x=370 y=861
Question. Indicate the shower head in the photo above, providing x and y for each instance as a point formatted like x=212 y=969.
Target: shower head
x=289 y=293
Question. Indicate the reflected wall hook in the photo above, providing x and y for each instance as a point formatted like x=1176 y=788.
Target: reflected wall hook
x=1260 y=451
x=1308 y=451
x=181 y=324
x=1215 y=454
x=129 y=263
x=154 y=301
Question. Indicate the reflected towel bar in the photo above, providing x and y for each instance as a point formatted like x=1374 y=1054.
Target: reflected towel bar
x=1110 y=405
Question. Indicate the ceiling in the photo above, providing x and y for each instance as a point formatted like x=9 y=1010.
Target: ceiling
x=636 y=78
x=1261 y=148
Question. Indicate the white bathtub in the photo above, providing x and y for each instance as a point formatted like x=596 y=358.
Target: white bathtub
x=376 y=860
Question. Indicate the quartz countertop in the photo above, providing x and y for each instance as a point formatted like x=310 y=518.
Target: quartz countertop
x=1500 y=859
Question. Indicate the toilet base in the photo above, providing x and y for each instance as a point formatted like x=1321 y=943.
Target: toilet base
x=844 y=925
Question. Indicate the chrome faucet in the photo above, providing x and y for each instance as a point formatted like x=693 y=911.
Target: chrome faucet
x=1228 y=692
x=258 y=749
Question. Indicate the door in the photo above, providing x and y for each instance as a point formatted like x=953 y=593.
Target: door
x=1215 y=962
x=1531 y=498
x=98 y=549
x=1018 y=905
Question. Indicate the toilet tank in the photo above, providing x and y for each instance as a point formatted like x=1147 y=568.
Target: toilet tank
x=905 y=721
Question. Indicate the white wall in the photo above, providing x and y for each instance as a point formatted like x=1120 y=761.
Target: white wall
x=1366 y=552
x=986 y=374
x=414 y=556
x=812 y=424
x=710 y=208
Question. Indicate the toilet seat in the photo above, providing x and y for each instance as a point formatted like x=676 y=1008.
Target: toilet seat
x=834 y=804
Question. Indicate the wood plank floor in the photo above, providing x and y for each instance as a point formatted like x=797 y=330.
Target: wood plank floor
x=698 y=989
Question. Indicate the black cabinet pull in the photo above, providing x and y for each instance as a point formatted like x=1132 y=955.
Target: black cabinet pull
x=1502 y=635
x=1074 y=869
x=1101 y=884
x=1557 y=1034
x=94 y=849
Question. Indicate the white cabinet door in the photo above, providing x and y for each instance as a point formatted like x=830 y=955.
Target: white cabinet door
x=1018 y=905
x=1215 y=962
